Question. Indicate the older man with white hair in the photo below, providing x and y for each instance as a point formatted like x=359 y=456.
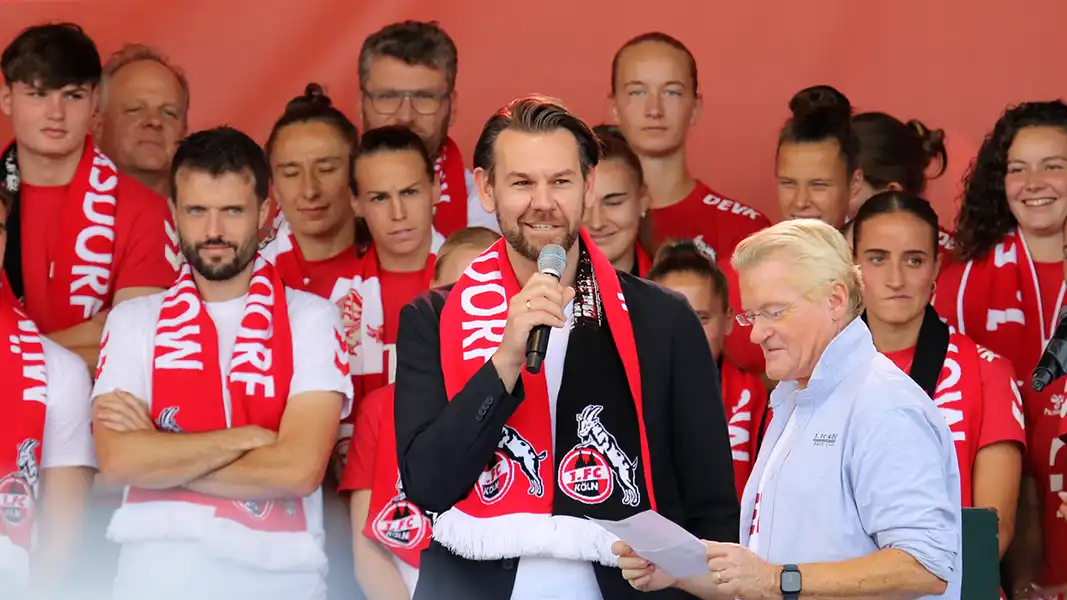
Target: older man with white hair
x=144 y=110
x=856 y=490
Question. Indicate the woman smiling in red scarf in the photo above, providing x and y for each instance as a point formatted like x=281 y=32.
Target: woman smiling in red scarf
x=1007 y=285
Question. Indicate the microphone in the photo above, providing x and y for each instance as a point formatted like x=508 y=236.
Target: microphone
x=552 y=261
x=1053 y=363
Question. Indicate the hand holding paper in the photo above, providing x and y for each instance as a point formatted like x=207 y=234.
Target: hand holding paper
x=661 y=542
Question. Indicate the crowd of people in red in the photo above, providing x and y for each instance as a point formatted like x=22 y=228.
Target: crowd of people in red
x=369 y=218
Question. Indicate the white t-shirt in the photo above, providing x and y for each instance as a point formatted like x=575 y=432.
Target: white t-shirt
x=68 y=441
x=68 y=438
x=781 y=447
x=130 y=332
x=542 y=578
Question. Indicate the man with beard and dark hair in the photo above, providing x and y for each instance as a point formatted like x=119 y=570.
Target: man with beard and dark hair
x=407 y=76
x=625 y=416
x=217 y=402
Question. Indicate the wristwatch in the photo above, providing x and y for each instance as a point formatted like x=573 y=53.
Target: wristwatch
x=790 y=582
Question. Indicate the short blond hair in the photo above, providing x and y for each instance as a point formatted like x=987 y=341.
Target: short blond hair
x=132 y=53
x=479 y=238
x=818 y=251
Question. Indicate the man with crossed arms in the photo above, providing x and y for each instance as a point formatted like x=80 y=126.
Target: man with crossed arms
x=217 y=402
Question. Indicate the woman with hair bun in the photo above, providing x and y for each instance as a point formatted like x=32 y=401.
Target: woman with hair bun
x=687 y=268
x=817 y=165
x=897 y=156
x=817 y=162
x=1006 y=286
x=310 y=150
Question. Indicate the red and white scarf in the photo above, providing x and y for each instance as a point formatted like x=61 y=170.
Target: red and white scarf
x=363 y=316
x=360 y=301
x=995 y=301
x=644 y=263
x=747 y=413
x=188 y=397
x=450 y=212
x=392 y=520
x=359 y=298
x=503 y=517
x=81 y=283
x=959 y=399
x=23 y=401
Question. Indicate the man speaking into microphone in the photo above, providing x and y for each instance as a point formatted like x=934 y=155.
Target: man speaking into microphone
x=624 y=415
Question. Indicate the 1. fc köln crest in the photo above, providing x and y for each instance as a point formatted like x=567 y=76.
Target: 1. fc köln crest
x=400 y=523
x=16 y=502
x=596 y=464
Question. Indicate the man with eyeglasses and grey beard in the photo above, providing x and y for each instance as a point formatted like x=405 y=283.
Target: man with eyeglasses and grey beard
x=407 y=76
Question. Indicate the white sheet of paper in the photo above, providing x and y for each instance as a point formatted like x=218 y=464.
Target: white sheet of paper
x=661 y=542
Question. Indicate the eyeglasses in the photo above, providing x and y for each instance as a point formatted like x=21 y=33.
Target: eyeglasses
x=748 y=318
x=423 y=103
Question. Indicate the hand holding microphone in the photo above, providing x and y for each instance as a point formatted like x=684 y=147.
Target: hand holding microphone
x=532 y=313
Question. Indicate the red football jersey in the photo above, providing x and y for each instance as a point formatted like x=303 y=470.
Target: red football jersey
x=977 y=395
x=145 y=254
x=709 y=218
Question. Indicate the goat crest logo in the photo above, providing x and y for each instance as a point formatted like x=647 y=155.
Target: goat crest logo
x=592 y=469
x=168 y=420
x=17 y=497
x=514 y=453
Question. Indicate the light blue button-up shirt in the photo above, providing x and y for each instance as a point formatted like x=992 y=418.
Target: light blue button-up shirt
x=871 y=465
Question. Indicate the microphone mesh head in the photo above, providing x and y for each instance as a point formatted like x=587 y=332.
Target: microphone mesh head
x=552 y=260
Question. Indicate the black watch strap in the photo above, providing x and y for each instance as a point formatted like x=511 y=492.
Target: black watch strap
x=789 y=582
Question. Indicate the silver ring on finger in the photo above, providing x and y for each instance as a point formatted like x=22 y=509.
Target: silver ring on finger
x=718 y=577
x=528 y=307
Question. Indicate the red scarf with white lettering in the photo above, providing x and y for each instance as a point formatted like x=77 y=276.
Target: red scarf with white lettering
x=959 y=399
x=80 y=283
x=23 y=400
x=392 y=519
x=995 y=301
x=748 y=413
x=599 y=465
x=450 y=212
x=187 y=395
x=363 y=317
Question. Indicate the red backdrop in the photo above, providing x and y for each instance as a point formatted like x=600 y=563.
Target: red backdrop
x=954 y=64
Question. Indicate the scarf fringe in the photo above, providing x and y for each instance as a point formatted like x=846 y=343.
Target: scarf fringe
x=221 y=538
x=524 y=534
x=14 y=565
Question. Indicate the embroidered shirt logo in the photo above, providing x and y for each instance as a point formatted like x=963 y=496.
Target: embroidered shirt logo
x=824 y=440
x=1057 y=405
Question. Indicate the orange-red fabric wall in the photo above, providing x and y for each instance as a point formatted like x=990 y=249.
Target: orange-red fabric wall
x=954 y=64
